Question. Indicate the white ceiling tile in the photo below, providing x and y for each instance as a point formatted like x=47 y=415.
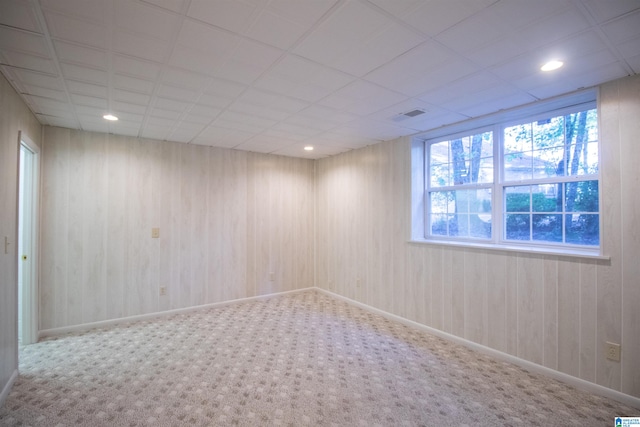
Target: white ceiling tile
x=179 y=6
x=194 y=60
x=285 y=134
x=276 y=30
x=47 y=104
x=624 y=28
x=270 y=101
x=30 y=62
x=414 y=71
x=311 y=123
x=362 y=98
x=603 y=11
x=550 y=30
x=165 y=114
x=21 y=41
x=245 y=122
x=82 y=55
x=330 y=115
x=295 y=129
x=345 y=30
x=127 y=117
x=371 y=129
x=233 y=15
x=259 y=111
x=557 y=87
x=90 y=113
x=183 y=78
x=62 y=122
x=247 y=62
x=147 y=70
x=213 y=100
x=18 y=14
x=630 y=48
x=338 y=140
x=87 y=89
x=634 y=62
x=433 y=16
x=299 y=78
x=220 y=137
x=90 y=101
x=139 y=46
x=147 y=20
x=177 y=93
x=171 y=104
x=161 y=122
x=126 y=107
x=199 y=119
x=204 y=111
x=58 y=95
x=319 y=152
x=460 y=89
x=38 y=79
x=130 y=97
x=76 y=30
x=133 y=84
x=93 y=10
x=84 y=74
x=380 y=49
x=305 y=13
x=207 y=40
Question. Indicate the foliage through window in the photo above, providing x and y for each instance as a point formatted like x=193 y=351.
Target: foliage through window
x=534 y=181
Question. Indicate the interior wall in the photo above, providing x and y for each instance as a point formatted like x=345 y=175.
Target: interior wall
x=14 y=117
x=551 y=310
x=232 y=224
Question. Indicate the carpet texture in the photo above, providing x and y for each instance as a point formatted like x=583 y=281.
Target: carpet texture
x=292 y=360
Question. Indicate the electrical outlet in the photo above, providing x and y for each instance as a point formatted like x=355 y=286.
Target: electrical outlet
x=163 y=290
x=613 y=351
x=272 y=276
x=358 y=283
x=155 y=233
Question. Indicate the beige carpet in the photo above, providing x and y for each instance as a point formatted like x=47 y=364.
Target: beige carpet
x=294 y=360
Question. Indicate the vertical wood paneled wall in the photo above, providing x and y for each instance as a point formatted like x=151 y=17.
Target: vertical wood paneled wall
x=227 y=219
x=14 y=117
x=554 y=311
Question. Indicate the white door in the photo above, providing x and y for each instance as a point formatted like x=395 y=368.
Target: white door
x=28 y=243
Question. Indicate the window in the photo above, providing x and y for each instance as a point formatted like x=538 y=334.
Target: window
x=530 y=181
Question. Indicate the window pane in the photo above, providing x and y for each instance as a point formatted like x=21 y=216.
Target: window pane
x=548 y=162
x=582 y=229
x=582 y=196
x=518 y=167
x=440 y=175
x=440 y=152
x=517 y=138
x=439 y=201
x=518 y=227
x=438 y=225
x=518 y=199
x=583 y=159
x=546 y=198
x=547 y=228
x=459 y=225
x=548 y=133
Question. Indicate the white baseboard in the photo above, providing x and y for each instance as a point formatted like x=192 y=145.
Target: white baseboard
x=123 y=320
x=7 y=388
x=530 y=366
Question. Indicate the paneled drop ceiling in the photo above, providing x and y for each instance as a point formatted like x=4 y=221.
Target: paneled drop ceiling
x=273 y=76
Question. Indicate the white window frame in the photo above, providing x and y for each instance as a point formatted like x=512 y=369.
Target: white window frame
x=579 y=101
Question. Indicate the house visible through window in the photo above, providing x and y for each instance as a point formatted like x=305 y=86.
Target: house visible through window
x=532 y=181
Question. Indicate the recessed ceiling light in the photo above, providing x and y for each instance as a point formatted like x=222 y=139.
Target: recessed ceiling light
x=552 y=65
x=308 y=148
x=110 y=117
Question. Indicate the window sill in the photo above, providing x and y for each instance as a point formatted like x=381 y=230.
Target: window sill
x=572 y=253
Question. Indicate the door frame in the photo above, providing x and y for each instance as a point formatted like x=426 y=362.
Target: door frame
x=30 y=241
